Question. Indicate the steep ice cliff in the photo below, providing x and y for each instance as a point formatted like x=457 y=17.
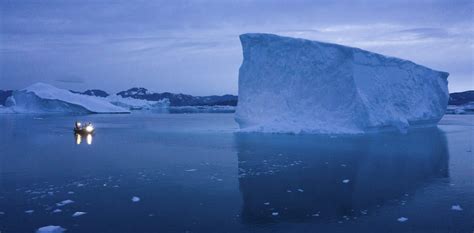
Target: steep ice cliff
x=296 y=85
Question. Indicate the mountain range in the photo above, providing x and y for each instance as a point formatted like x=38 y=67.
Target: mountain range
x=458 y=98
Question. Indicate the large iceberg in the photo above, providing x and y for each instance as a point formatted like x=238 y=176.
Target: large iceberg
x=45 y=98
x=296 y=85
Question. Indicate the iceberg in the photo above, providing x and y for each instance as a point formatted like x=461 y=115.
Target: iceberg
x=289 y=85
x=45 y=98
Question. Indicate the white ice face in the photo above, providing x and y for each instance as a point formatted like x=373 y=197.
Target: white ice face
x=295 y=85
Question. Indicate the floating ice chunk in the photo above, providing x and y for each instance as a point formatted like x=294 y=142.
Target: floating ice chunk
x=288 y=191
x=80 y=185
x=275 y=213
x=345 y=181
x=300 y=190
x=315 y=215
x=70 y=192
x=50 y=229
x=135 y=199
x=29 y=211
x=266 y=203
x=191 y=170
x=289 y=85
x=77 y=214
x=402 y=219
x=456 y=207
x=2 y=213
x=57 y=211
x=65 y=202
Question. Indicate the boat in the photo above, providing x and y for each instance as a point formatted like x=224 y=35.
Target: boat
x=86 y=129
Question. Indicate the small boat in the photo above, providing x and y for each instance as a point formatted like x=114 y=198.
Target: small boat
x=86 y=129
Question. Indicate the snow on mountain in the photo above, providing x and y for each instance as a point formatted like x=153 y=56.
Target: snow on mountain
x=179 y=99
x=296 y=85
x=138 y=104
x=40 y=98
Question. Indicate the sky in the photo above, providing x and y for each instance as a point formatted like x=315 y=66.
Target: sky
x=193 y=46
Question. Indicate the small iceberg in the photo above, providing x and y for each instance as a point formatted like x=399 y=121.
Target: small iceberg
x=65 y=202
x=456 y=207
x=402 y=219
x=50 y=229
x=135 y=199
x=77 y=214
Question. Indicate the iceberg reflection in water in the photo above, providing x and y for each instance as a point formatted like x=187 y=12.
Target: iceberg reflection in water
x=334 y=178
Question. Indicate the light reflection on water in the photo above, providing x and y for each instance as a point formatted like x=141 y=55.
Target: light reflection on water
x=79 y=137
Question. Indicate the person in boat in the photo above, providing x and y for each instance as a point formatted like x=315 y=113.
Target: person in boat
x=78 y=125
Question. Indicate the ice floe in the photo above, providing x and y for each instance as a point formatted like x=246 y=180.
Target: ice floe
x=456 y=207
x=402 y=219
x=50 y=229
x=65 y=202
x=135 y=199
x=77 y=214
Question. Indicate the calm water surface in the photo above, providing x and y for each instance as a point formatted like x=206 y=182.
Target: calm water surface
x=192 y=173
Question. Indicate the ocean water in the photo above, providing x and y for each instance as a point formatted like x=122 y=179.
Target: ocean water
x=193 y=173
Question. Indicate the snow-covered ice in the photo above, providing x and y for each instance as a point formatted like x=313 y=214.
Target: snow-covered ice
x=135 y=199
x=77 y=214
x=456 y=207
x=50 y=229
x=302 y=86
x=41 y=98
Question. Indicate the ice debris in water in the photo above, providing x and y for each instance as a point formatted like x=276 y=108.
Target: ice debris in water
x=266 y=203
x=300 y=190
x=402 y=219
x=65 y=202
x=77 y=214
x=345 y=181
x=456 y=207
x=135 y=199
x=57 y=211
x=29 y=211
x=191 y=170
x=50 y=229
x=275 y=213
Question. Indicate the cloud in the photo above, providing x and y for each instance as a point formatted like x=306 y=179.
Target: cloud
x=70 y=79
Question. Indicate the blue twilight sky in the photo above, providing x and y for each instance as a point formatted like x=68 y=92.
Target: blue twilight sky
x=193 y=46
